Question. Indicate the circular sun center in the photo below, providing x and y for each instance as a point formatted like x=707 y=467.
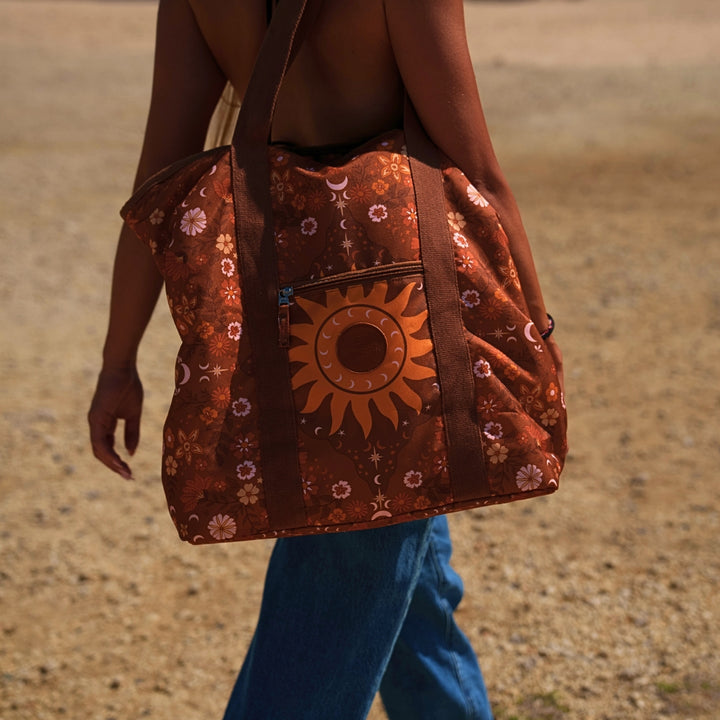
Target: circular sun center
x=361 y=347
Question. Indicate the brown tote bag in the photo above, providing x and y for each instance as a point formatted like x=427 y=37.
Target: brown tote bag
x=356 y=349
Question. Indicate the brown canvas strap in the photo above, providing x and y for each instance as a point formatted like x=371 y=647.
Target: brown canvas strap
x=466 y=463
x=258 y=266
x=256 y=253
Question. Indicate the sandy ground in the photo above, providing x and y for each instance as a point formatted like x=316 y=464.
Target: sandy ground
x=596 y=603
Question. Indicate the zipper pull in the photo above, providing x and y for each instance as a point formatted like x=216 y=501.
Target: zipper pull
x=284 y=301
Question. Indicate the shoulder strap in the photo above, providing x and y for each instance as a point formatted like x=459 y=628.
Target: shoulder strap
x=258 y=265
x=256 y=254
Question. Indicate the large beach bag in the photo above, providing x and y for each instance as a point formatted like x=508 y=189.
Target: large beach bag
x=356 y=348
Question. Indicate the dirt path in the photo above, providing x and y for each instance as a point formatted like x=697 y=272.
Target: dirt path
x=597 y=603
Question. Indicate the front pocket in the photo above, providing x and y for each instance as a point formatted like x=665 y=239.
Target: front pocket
x=358 y=338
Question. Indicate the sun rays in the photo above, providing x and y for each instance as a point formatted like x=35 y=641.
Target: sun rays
x=359 y=348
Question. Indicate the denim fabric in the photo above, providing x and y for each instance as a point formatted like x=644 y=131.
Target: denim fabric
x=345 y=615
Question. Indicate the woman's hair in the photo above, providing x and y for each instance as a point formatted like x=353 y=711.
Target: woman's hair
x=222 y=123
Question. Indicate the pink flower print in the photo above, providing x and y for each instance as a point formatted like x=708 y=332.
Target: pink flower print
x=456 y=221
x=470 y=298
x=248 y=494
x=341 y=490
x=460 y=240
x=475 y=197
x=308 y=226
x=482 y=368
x=234 y=330
x=246 y=470
x=222 y=527
x=228 y=267
x=493 y=430
x=413 y=479
x=225 y=244
x=529 y=478
x=497 y=453
x=241 y=407
x=193 y=222
x=156 y=216
x=377 y=213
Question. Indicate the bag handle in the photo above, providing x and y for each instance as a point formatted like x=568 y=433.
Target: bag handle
x=257 y=264
x=260 y=283
x=288 y=28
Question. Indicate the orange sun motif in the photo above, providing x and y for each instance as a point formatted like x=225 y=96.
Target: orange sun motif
x=360 y=348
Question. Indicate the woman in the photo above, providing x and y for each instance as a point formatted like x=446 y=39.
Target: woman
x=348 y=614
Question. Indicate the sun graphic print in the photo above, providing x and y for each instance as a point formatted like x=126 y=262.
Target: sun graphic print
x=360 y=348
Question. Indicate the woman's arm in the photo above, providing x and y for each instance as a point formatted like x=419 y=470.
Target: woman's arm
x=186 y=86
x=430 y=45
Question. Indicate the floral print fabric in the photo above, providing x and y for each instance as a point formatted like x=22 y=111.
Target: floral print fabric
x=371 y=441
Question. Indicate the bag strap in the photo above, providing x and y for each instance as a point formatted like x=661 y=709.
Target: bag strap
x=258 y=265
x=466 y=461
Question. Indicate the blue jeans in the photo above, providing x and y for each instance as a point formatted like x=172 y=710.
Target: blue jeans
x=346 y=615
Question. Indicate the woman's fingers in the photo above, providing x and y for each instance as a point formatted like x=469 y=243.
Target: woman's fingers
x=118 y=396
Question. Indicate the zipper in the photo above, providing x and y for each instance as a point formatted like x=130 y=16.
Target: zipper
x=287 y=292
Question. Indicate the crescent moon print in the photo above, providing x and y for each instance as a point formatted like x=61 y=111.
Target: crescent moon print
x=338 y=187
x=202 y=192
x=186 y=374
x=348 y=386
x=528 y=332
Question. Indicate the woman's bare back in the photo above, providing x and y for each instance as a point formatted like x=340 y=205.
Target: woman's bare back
x=344 y=85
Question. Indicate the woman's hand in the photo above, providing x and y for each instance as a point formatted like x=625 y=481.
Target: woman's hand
x=118 y=395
